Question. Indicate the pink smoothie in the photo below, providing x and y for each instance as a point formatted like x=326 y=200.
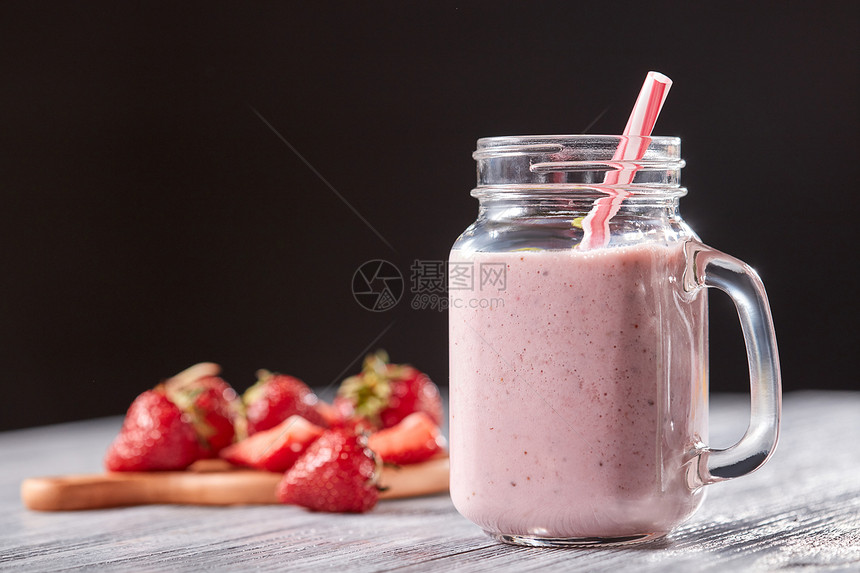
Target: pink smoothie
x=574 y=403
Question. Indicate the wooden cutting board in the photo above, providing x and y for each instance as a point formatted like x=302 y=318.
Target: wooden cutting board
x=207 y=482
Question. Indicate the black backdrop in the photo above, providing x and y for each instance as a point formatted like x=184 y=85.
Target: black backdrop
x=150 y=219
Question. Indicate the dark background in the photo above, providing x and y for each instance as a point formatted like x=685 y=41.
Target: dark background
x=150 y=219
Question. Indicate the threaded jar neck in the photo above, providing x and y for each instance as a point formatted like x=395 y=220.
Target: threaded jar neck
x=582 y=165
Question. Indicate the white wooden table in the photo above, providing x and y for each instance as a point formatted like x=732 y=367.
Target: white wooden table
x=800 y=512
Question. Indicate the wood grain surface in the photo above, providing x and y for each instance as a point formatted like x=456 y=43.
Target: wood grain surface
x=801 y=512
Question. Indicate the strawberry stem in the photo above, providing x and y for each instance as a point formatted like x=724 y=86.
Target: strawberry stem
x=369 y=391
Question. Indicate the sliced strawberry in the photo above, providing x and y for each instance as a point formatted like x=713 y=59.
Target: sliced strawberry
x=413 y=440
x=213 y=408
x=337 y=473
x=275 y=449
x=276 y=397
x=154 y=436
x=386 y=393
x=330 y=414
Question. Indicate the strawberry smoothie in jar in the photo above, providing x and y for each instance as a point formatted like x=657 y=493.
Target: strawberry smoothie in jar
x=578 y=346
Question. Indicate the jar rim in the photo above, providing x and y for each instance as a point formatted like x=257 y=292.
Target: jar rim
x=667 y=147
x=574 y=191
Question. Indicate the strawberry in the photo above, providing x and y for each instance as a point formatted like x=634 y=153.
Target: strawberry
x=155 y=436
x=275 y=449
x=413 y=440
x=330 y=414
x=212 y=406
x=386 y=393
x=276 y=397
x=337 y=473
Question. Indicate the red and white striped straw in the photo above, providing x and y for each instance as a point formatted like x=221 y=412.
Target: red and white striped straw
x=648 y=104
x=595 y=226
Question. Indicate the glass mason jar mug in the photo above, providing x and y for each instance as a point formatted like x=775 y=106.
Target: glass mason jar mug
x=579 y=346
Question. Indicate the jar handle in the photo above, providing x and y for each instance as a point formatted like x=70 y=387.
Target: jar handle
x=708 y=267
